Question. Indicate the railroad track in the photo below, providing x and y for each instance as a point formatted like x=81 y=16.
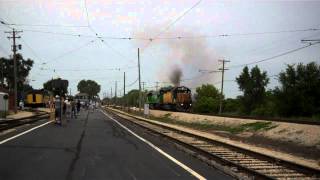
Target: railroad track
x=240 y=160
x=285 y=120
x=8 y=124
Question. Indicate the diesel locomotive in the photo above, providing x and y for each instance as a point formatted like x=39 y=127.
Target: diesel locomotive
x=170 y=98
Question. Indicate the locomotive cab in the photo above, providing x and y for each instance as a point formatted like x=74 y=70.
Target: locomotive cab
x=182 y=98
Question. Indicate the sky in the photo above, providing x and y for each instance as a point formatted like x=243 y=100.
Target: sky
x=98 y=39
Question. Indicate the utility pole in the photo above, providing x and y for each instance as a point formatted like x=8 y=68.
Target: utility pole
x=222 y=81
x=111 y=96
x=124 y=83
x=124 y=88
x=2 y=75
x=14 y=50
x=143 y=83
x=143 y=97
x=139 y=80
x=115 y=93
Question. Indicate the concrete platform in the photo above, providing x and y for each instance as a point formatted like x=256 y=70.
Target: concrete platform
x=93 y=147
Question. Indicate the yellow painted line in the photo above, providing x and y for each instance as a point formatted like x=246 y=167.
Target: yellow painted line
x=194 y=173
x=25 y=132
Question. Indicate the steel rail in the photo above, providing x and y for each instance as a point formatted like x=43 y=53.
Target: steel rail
x=8 y=124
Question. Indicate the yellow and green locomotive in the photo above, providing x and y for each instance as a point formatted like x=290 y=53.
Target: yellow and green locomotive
x=170 y=98
x=37 y=98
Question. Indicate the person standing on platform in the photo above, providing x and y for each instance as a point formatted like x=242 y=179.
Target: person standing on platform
x=57 y=105
x=64 y=107
x=78 y=106
x=21 y=105
x=68 y=110
x=73 y=110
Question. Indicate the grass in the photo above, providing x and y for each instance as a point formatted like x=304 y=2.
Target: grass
x=207 y=126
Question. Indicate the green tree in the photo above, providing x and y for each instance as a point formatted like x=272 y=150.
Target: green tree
x=268 y=108
x=253 y=85
x=299 y=91
x=90 y=87
x=49 y=85
x=231 y=105
x=207 y=99
x=132 y=98
x=23 y=69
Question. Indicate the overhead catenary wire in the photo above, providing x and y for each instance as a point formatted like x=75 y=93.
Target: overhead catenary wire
x=2 y=22
x=75 y=70
x=58 y=33
x=70 y=52
x=45 y=25
x=177 y=19
x=169 y=38
x=241 y=34
x=31 y=50
x=172 y=23
x=91 y=69
x=273 y=57
x=134 y=82
x=99 y=37
x=42 y=25
x=114 y=50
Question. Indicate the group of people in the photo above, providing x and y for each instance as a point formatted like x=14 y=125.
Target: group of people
x=70 y=108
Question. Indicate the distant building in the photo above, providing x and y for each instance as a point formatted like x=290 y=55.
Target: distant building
x=82 y=97
x=4 y=105
x=10 y=99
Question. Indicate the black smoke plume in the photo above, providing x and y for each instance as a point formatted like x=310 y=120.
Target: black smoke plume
x=175 y=76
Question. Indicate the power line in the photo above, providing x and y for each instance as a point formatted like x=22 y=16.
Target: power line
x=86 y=35
x=195 y=77
x=100 y=69
x=167 y=38
x=236 y=34
x=5 y=24
x=70 y=52
x=134 y=82
x=98 y=36
x=273 y=57
x=58 y=33
x=41 y=25
x=88 y=20
x=45 y=25
x=173 y=22
x=31 y=49
x=87 y=15
x=176 y=20
x=114 y=50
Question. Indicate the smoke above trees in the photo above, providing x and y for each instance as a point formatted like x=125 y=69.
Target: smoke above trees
x=183 y=57
x=175 y=76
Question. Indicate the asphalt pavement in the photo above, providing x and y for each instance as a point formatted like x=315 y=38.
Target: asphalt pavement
x=93 y=147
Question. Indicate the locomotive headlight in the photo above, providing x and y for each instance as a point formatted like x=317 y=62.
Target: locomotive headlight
x=182 y=104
